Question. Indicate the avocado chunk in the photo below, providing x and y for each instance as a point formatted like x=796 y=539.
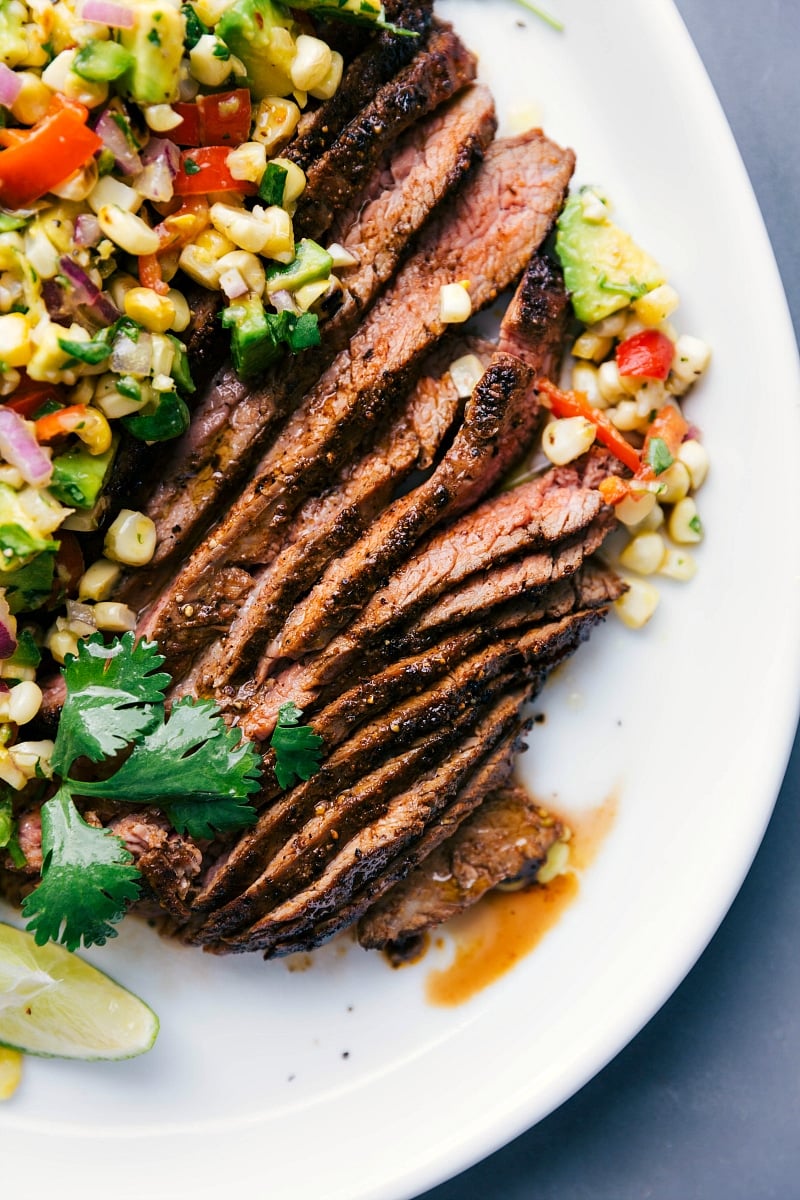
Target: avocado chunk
x=29 y=587
x=261 y=34
x=253 y=346
x=20 y=542
x=604 y=269
x=310 y=263
x=155 y=42
x=78 y=476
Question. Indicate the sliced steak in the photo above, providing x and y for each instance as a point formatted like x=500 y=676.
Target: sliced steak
x=403 y=821
x=383 y=57
x=439 y=69
x=499 y=423
x=493 y=773
x=326 y=525
x=535 y=515
x=167 y=861
x=232 y=420
x=509 y=835
x=491 y=229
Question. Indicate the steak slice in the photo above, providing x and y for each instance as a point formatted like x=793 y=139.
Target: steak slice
x=379 y=61
x=536 y=515
x=493 y=773
x=491 y=230
x=382 y=687
x=499 y=424
x=232 y=421
x=509 y=835
x=326 y=525
x=403 y=821
x=440 y=68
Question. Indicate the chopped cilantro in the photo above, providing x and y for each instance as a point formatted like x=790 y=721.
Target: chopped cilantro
x=658 y=455
x=154 y=37
x=632 y=289
x=190 y=166
x=696 y=525
x=92 y=352
x=298 y=750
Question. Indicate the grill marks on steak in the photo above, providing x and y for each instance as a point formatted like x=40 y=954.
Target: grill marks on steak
x=326 y=525
x=499 y=423
x=233 y=420
x=490 y=230
x=509 y=836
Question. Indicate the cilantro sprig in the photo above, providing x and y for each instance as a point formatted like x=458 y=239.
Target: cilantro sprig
x=188 y=764
x=298 y=750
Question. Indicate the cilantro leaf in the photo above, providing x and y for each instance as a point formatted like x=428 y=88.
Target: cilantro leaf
x=87 y=879
x=114 y=694
x=658 y=455
x=191 y=754
x=205 y=818
x=298 y=750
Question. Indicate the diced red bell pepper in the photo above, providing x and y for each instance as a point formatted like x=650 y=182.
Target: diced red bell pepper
x=59 y=423
x=669 y=425
x=30 y=395
x=60 y=144
x=645 y=355
x=215 y=120
x=150 y=274
x=575 y=404
x=204 y=170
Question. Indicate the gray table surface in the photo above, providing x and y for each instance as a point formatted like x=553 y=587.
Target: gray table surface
x=705 y=1103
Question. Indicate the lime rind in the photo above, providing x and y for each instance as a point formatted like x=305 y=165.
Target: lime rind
x=55 y=1005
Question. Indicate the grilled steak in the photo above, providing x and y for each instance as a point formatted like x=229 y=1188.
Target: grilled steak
x=509 y=835
x=499 y=423
x=491 y=229
x=232 y=420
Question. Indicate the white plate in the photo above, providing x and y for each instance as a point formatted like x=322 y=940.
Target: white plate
x=248 y=1090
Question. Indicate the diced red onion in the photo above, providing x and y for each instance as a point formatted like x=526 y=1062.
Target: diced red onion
x=55 y=300
x=99 y=306
x=3 y=685
x=19 y=447
x=104 y=12
x=132 y=358
x=161 y=159
x=233 y=284
x=126 y=158
x=87 y=230
x=8 y=640
x=10 y=85
x=283 y=301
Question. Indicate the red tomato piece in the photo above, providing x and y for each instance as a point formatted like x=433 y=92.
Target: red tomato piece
x=203 y=170
x=29 y=397
x=645 y=355
x=214 y=120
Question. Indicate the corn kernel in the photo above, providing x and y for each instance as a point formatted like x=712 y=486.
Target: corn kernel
x=694 y=457
x=162 y=117
x=130 y=539
x=295 y=183
x=10 y=1072
x=655 y=306
x=24 y=702
x=311 y=63
x=566 y=439
x=151 y=310
x=206 y=64
x=247 y=161
x=609 y=382
x=60 y=643
x=248 y=266
x=678 y=564
x=304 y=297
x=466 y=373
x=15 y=340
x=637 y=605
x=684 y=523
x=455 y=304
x=275 y=122
x=644 y=553
x=625 y=416
x=109 y=190
x=183 y=316
x=691 y=359
x=635 y=508
x=328 y=87
x=99 y=580
x=33 y=98
x=113 y=617
x=584 y=379
x=127 y=230
x=590 y=346
x=674 y=483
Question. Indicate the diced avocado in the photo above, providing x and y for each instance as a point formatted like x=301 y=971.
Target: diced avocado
x=29 y=587
x=180 y=367
x=19 y=540
x=604 y=269
x=310 y=263
x=165 y=416
x=260 y=33
x=253 y=346
x=156 y=43
x=78 y=476
x=13 y=43
x=102 y=61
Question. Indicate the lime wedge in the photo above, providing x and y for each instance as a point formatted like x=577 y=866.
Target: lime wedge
x=10 y=1072
x=54 y=1004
